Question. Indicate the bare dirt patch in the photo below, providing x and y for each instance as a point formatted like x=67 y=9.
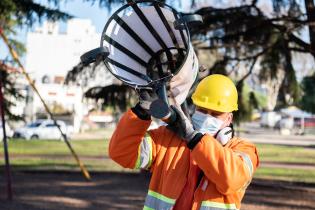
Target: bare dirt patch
x=108 y=191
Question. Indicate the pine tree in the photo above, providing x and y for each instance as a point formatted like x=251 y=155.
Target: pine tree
x=246 y=35
x=308 y=99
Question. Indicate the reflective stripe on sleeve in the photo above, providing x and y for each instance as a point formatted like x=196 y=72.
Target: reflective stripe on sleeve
x=144 y=153
x=210 y=205
x=247 y=161
x=158 y=201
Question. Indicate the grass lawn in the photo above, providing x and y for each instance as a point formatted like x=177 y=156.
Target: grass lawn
x=56 y=147
x=48 y=154
x=54 y=154
x=297 y=175
x=288 y=154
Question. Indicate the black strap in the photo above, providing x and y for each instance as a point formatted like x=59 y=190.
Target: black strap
x=181 y=31
x=167 y=26
x=149 y=26
x=188 y=20
x=135 y=36
x=233 y=132
x=147 y=23
x=93 y=55
x=124 y=50
x=119 y=77
x=196 y=139
x=131 y=71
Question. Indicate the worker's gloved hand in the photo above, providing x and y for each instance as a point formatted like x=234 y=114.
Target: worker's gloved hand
x=182 y=126
x=146 y=97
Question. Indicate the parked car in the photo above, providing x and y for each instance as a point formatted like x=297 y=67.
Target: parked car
x=42 y=129
x=8 y=131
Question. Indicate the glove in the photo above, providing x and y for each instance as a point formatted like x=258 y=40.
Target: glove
x=183 y=127
x=225 y=135
x=146 y=97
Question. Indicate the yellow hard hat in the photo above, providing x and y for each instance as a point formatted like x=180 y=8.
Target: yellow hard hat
x=216 y=92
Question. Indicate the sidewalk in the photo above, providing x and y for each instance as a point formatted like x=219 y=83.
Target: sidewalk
x=288 y=165
x=253 y=132
x=105 y=133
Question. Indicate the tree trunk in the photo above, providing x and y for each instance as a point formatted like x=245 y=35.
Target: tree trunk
x=310 y=10
x=272 y=85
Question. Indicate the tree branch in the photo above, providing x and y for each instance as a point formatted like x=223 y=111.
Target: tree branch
x=300 y=42
x=248 y=73
x=298 y=49
x=310 y=10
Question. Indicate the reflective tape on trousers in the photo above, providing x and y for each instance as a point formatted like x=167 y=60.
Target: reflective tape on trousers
x=158 y=202
x=209 y=205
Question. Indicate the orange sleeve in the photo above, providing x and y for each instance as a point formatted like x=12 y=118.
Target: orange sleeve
x=230 y=168
x=126 y=139
x=131 y=145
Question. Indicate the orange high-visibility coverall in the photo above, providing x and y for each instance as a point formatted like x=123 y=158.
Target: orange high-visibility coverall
x=227 y=170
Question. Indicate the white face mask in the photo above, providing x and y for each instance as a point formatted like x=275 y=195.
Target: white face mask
x=206 y=123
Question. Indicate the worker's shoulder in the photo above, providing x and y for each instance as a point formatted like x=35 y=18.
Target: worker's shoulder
x=243 y=146
x=239 y=142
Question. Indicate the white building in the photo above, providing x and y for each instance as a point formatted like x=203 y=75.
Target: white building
x=62 y=99
x=50 y=55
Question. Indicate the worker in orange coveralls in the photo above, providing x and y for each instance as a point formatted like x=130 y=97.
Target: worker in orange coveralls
x=194 y=165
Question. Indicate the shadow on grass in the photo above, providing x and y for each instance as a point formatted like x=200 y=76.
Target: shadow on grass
x=68 y=190
x=65 y=190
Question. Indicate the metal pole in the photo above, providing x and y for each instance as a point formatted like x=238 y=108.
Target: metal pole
x=302 y=125
x=31 y=82
x=5 y=147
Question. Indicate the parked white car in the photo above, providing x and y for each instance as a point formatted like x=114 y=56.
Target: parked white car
x=42 y=129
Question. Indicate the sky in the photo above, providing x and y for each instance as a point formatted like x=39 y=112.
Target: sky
x=87 y=10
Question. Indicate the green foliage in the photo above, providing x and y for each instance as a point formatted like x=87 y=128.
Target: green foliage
x=11 y=93
x=279 y=58
x=261 y=100
x=245 y=34
x=18 y=12
x=308 y=98
x=247 y=102
x=119 y=97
